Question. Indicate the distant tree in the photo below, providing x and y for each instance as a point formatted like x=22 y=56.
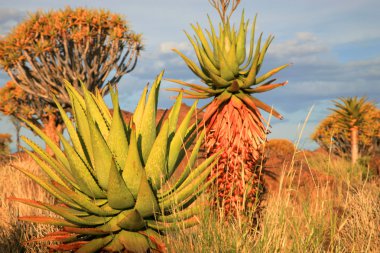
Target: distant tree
x=17 y=104
x=5 y=140
x=95 y=47
x=352 y=128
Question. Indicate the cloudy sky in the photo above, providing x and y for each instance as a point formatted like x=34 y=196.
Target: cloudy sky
x=334 y=46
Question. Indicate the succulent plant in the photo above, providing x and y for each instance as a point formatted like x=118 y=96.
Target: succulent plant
x=114 y=182
x=233 y=120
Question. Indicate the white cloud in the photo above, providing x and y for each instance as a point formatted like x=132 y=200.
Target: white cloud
x=167 y=47
x=304 y=45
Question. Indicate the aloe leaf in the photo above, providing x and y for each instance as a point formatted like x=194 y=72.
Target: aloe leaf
x=156 y=167
x=265 y=88
x=72 y=132
x=187 y=188
x=264 y=51
x=251 y=44
x=193 y=67
x=54 y=147
x=118 y=194
x=96 y=113
x=101 y=152
x=196 y=86
x=117 y=138
x=251 y=77
x=85 y=231
x=95 y=245
x=82 y=127
x=147 y=134
x=173 y=115
x=46 y=168
x=102 y=105
x=59 y=168
x=48 y=187
x=178 y=139
x=134 y=242
x=81 y=172
x=181 y=215
x=204 y=42
x=85 y=203
x=139 y=111
x=115 y=245
x=133 y=169
x=47 y=220
x=163 y=226
x=82 y=221
x=146 y=203
x=189 y=174
x=270 y=73
x=133 y=221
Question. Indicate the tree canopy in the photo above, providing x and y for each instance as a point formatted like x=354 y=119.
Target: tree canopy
x=333 y=133
x=93 y=46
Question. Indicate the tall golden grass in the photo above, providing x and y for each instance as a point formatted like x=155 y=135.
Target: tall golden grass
x=337 y=210
x=14 y=233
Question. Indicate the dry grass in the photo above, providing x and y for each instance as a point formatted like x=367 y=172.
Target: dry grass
x=342 y=215
x=15 y=184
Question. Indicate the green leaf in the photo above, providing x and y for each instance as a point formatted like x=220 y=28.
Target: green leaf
x=147 y=134
x=133 y=169
x=134 y=242
x=95 y=245
x=178 y=139
x=96 y=113
x=173 y=115
x=139 y=111
x=101 y=153
x=118 y=194
x=156 y=167
x=82 y=221
x=54 y=147
x=48 y=187
x=117 y=138
x=47 y=220
x=59 y=168
x=133 y=221
x=81 y=172
x=146 y=203
x=164 y=226
x=86 y=203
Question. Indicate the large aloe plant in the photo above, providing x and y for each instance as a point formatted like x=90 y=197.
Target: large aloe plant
x=112 y=179
x=231 y=72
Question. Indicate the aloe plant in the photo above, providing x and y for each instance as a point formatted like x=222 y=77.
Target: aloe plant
x=112 y=180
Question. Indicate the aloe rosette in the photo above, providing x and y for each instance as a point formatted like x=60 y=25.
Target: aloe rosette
x=230 y=69
x=114 y=182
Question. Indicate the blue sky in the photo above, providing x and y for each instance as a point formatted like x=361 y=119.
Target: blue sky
x=334 y=47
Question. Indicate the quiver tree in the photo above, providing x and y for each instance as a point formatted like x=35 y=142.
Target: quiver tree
x=5 y=140
x=352 y=129
x=95 y=47
x=17 y=103
x=234 y=124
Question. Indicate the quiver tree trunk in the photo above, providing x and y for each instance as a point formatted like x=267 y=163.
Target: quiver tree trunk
x=52 y=127
x=354 y=144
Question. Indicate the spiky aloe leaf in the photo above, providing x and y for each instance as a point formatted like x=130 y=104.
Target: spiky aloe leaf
x=146 y=203
x=118 y=194
x=147 y=133
x=118 y=139
x=133 y=168
x=156 y=165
